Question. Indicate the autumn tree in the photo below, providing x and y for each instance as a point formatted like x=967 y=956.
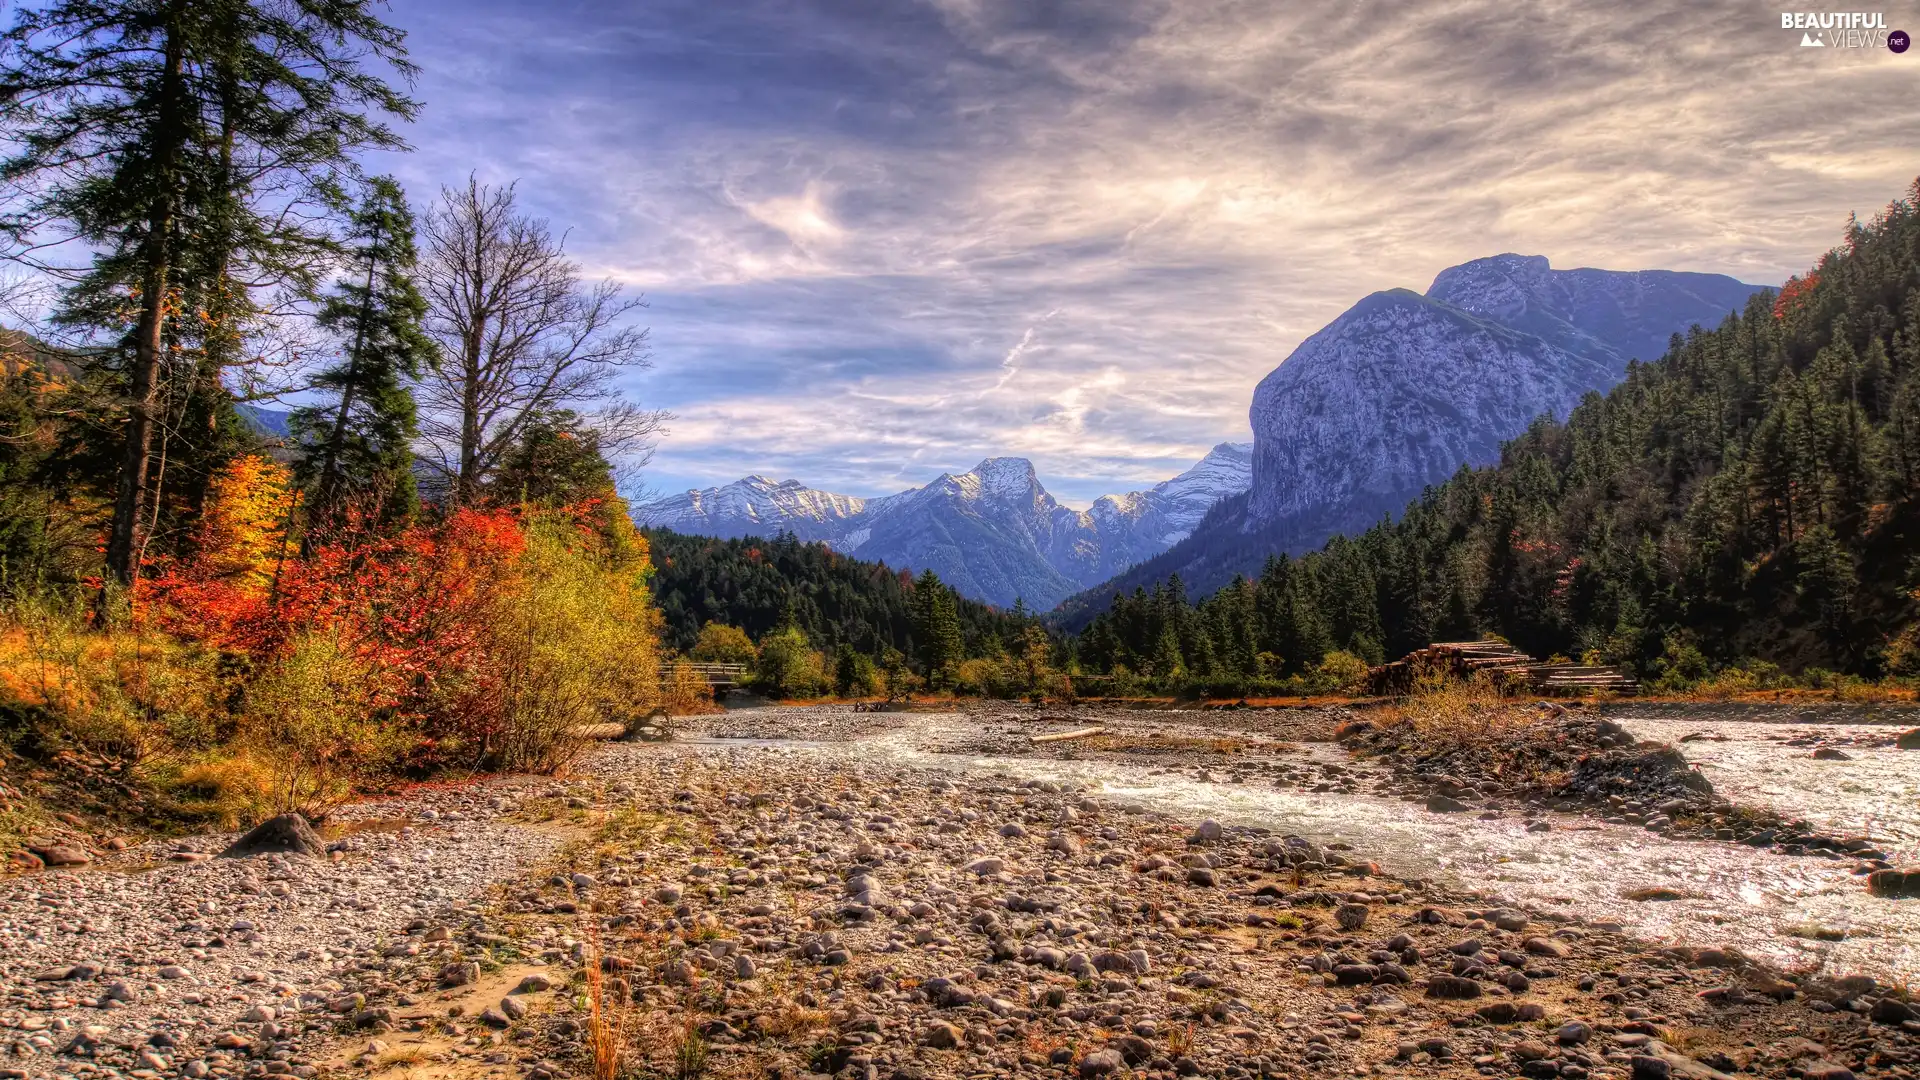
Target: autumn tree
x=521 y=338
x=197 y=147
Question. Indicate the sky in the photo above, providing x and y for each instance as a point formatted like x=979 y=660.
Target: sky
x=882 y=240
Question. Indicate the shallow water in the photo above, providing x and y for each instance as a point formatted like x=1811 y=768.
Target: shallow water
x=1876 y=794
x=1734 y=896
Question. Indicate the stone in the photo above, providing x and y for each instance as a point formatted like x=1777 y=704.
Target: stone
x=534 y=984
x=1573 y=1033
x=459 y=973
x=1101 y=1063
x=513 y=1007
x=941 y=1035
x=1207 y=832
x=1828 y=753
x=1532 y=1050
x=1203 y=876
x=1453 y=986
x=288 y=834
x=1540 y=946
x=61 y=855
x=1895 y=884
x=1351 y=916
x=1909 y=740
x=1890 y=1010
x=1826 y=1070
x=1446 y=804
x=986 y=866
x=1500 y=1012
x=494 y=1018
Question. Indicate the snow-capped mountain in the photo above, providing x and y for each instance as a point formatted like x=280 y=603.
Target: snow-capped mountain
x=755 y=506
x=1142 y=524
x=994 y=533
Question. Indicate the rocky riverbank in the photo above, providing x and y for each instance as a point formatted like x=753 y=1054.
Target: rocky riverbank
x=754 y=909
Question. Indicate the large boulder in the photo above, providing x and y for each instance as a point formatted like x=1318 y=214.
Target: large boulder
x=288 y=833
x=1909 y=741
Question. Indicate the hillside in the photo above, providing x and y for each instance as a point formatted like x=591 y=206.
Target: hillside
x=1748 y=496
x=1404 y=388
x=757 y=584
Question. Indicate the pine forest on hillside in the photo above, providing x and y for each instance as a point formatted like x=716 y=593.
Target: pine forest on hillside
x=1745 y=502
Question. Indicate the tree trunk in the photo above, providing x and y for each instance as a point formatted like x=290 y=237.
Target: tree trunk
x=124 y=539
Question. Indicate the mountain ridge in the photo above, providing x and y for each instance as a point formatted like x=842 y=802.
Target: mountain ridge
x=994 y=532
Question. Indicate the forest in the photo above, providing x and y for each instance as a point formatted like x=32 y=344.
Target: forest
x=837 y=624
x=1741 y=511
x=426 y=567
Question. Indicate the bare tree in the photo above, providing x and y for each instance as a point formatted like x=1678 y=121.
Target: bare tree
x=519 y=336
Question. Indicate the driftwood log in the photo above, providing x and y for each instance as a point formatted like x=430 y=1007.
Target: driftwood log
x=1063 y=736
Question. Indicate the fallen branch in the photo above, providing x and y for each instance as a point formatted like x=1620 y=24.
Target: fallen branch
x=1063 y=736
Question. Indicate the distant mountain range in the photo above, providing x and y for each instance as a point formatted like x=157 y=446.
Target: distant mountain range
x=993 y=533
x=1403 y=389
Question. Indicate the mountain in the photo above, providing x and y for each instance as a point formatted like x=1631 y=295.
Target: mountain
x=754 y=506
x=993 y=533
x=1743 y=506
x=1142 y=524
x=271 y=423
x=1403 y=389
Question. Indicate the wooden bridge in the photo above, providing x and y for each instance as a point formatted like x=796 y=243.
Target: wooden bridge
x=718 y=676
x=1506 y=666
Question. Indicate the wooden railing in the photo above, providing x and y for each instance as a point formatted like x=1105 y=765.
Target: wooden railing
x=715 y=674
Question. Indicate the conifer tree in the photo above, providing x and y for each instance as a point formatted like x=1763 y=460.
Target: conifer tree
x=192 y=144
x=936 y=627
x=359 y=448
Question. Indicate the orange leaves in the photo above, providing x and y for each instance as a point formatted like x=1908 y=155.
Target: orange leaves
x=1794 y=293
x=244 y=531
x=413 y=607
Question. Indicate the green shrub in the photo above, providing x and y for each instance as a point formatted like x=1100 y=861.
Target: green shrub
x=853 y=673
x=789 y=666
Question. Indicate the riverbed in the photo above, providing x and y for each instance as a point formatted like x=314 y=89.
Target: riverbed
x=1784 y=909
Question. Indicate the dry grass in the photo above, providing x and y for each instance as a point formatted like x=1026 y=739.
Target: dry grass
x=606 y=1023
x=1471 y=714
x=401 y=1057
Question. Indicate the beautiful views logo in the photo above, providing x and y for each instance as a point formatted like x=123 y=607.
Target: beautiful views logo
x=1843 y=30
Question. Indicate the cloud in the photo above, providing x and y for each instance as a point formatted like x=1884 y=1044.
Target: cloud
x=882 y=241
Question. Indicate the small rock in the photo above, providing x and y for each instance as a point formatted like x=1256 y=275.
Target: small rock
x=1208 y=832
x=941 y=1035
x=1573 y=1033
x=1445 y=804
x=1101 y=1063
x=1452 y=986
x=62 y=855
x=459 y=974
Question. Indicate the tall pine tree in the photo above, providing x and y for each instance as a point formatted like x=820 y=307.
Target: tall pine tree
x=357 y=451
x=193 y=144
